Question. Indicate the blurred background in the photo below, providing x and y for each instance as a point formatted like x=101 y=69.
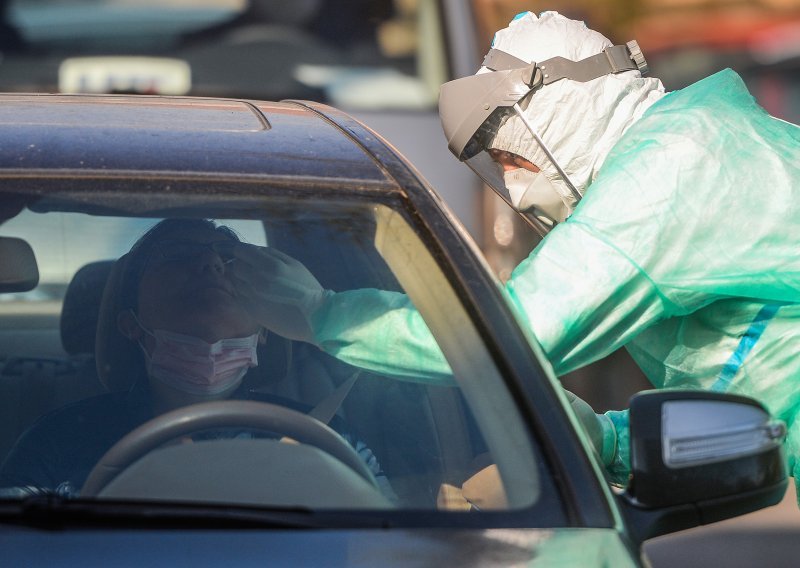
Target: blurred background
x=383 y=61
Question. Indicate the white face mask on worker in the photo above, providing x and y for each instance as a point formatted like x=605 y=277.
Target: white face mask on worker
x=533 y=192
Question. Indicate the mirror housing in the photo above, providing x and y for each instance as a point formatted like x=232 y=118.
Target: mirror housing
x=700 y=457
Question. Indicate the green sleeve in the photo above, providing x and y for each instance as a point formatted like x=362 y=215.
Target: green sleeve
x=582 y=297
x=382 y=332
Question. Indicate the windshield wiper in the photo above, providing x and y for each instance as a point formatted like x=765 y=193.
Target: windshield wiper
x=51 y=511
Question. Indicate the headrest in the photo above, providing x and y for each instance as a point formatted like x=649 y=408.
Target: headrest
x=82 y=306
x=119 y=362
x=18 y=269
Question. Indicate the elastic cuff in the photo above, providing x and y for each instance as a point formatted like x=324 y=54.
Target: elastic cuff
x=609 y=451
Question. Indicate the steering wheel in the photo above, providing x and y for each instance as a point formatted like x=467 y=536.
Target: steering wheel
x=221 y=414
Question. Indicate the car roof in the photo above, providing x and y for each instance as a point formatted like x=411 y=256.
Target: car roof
x=190 y=135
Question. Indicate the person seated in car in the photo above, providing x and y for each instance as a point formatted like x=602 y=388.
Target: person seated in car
x=182 y=335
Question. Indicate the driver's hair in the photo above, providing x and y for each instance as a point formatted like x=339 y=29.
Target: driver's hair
x=135 y=261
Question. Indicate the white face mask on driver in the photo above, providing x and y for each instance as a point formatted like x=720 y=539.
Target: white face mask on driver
x=533 y=192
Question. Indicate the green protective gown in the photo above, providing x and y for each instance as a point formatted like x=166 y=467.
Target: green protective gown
x=683 y=250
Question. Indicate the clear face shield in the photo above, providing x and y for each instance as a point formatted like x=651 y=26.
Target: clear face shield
x=473 y=108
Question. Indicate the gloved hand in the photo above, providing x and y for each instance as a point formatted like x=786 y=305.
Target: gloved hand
x=281 y=293
x=599 y=427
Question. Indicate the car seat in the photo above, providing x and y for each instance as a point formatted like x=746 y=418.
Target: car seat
x=82 y=306
x=30 y=386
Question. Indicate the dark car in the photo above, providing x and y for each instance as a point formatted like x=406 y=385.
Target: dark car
x=310 y=460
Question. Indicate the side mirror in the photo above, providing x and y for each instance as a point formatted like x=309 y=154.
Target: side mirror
x=700 y=457
x=18 y=269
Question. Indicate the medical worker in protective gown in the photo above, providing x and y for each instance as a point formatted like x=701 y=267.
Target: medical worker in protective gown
x=672 y=221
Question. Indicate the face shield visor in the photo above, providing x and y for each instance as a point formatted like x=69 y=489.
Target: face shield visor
x=473 y=108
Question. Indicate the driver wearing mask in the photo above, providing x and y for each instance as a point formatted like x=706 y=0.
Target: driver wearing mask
x=184 y=335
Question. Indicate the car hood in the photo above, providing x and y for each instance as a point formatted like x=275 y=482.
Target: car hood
x=373 y=547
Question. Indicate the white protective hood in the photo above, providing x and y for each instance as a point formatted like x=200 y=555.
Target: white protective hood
x=579 y=122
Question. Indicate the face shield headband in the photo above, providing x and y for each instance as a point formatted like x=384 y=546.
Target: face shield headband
x=472 y=109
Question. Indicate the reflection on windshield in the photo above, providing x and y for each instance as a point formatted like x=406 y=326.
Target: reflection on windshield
x=147 y=370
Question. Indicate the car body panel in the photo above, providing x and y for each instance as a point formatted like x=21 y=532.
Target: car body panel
x=432 y=547
x=63 y=132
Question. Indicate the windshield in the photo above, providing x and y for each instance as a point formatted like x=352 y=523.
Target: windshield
x=356 y=55
x=138 y=317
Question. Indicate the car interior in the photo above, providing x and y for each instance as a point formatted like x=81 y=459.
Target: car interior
x=57 y=348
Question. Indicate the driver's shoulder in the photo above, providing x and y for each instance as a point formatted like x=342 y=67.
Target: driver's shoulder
x=92 y=415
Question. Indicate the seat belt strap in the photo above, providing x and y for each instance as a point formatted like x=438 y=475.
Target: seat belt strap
x=327 y=409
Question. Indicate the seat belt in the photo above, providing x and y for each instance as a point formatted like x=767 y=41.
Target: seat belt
x=327 y=409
